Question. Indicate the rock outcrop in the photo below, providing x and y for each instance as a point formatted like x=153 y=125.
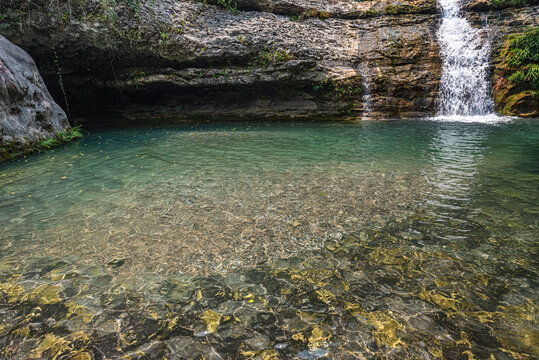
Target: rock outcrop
x=244 y=58
x=511 y=97
x=27 y=111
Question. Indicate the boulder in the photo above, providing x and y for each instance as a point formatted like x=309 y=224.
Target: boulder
x=27 y=111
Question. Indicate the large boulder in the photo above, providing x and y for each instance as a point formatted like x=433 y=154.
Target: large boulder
x=28 y=113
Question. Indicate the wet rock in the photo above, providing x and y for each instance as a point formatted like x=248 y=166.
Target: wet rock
x=188 y=59
x=187 y=347
x=27 y=111
x=512 y=95
x=116 y=263
x=478 y=5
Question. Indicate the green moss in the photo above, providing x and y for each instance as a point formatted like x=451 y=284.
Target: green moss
x=370 y=13
x=516 y=76
x=231 y=5
x=269 y=56
x=347 y=89
x=391 y=10
x=10 y=151
x=398 y=9
x=502 y=4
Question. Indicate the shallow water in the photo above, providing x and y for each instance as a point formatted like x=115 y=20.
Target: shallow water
x=401 y=239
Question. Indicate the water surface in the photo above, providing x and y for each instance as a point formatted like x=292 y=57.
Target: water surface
x=400 y=239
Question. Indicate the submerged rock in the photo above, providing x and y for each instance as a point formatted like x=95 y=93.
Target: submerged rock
x=27 y=111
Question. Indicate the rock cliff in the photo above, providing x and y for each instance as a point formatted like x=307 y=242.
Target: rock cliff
x=28 y=113
x=221 y=58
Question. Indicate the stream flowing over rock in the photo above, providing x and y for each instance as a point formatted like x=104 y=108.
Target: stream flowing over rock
x=27 y=111
x=290 y=58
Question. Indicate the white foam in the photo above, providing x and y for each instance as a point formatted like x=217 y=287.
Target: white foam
x=465 y=51
x=485 y=119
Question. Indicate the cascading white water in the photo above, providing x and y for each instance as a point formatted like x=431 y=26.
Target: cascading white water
x=465 y=50
x=364 y=71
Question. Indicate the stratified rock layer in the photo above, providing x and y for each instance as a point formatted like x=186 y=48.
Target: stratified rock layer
x=248 y=58
x=27 y=111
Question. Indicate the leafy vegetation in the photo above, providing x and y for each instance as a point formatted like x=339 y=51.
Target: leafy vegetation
x=134 y=5
x=12 y=151
x=269 y=56
x=523 y=58
x=345 y=92
x=391 y=10
x=370 y=13
x=231 y=5
x=338 y=89
x=60 y=138
x=516 y=77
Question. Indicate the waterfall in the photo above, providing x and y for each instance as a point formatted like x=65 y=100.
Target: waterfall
x=365 y=76
x=366 y=99
x=464 y=86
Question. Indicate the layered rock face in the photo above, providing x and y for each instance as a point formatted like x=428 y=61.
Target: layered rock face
x=27 y=111
x=248 y=58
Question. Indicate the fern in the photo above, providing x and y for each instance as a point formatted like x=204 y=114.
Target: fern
x=523 y=57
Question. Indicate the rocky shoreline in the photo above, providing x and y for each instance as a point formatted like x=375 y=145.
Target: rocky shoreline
x=251 y=58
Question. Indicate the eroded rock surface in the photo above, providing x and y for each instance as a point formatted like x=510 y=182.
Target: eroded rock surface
x=248 y=58
x=27 y=111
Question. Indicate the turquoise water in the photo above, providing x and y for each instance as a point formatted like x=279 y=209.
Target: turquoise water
x=399 y=239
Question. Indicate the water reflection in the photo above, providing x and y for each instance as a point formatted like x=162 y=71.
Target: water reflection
x=455 y=154
x=380 y=240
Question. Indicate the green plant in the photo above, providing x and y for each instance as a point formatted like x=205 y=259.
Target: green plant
x=134 y=5
x=370 y=13
x=348 y=110
x=69 y=135
x=48 y=143
x=391 y=10
x=502 y=4
x=530 y=73
x=13 y=150
x=522 y=58
x=242 y=39
x=136 y=77
x=231 y=5
x=338 y=89
x=269 y=56
x=108 y=12
x=66 y=18
x=524 y=48
x=225 y=72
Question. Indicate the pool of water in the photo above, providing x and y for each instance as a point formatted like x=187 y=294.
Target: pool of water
x=397 y=239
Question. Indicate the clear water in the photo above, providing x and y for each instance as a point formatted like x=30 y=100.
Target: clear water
x=400 y=239
x=465 y=50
